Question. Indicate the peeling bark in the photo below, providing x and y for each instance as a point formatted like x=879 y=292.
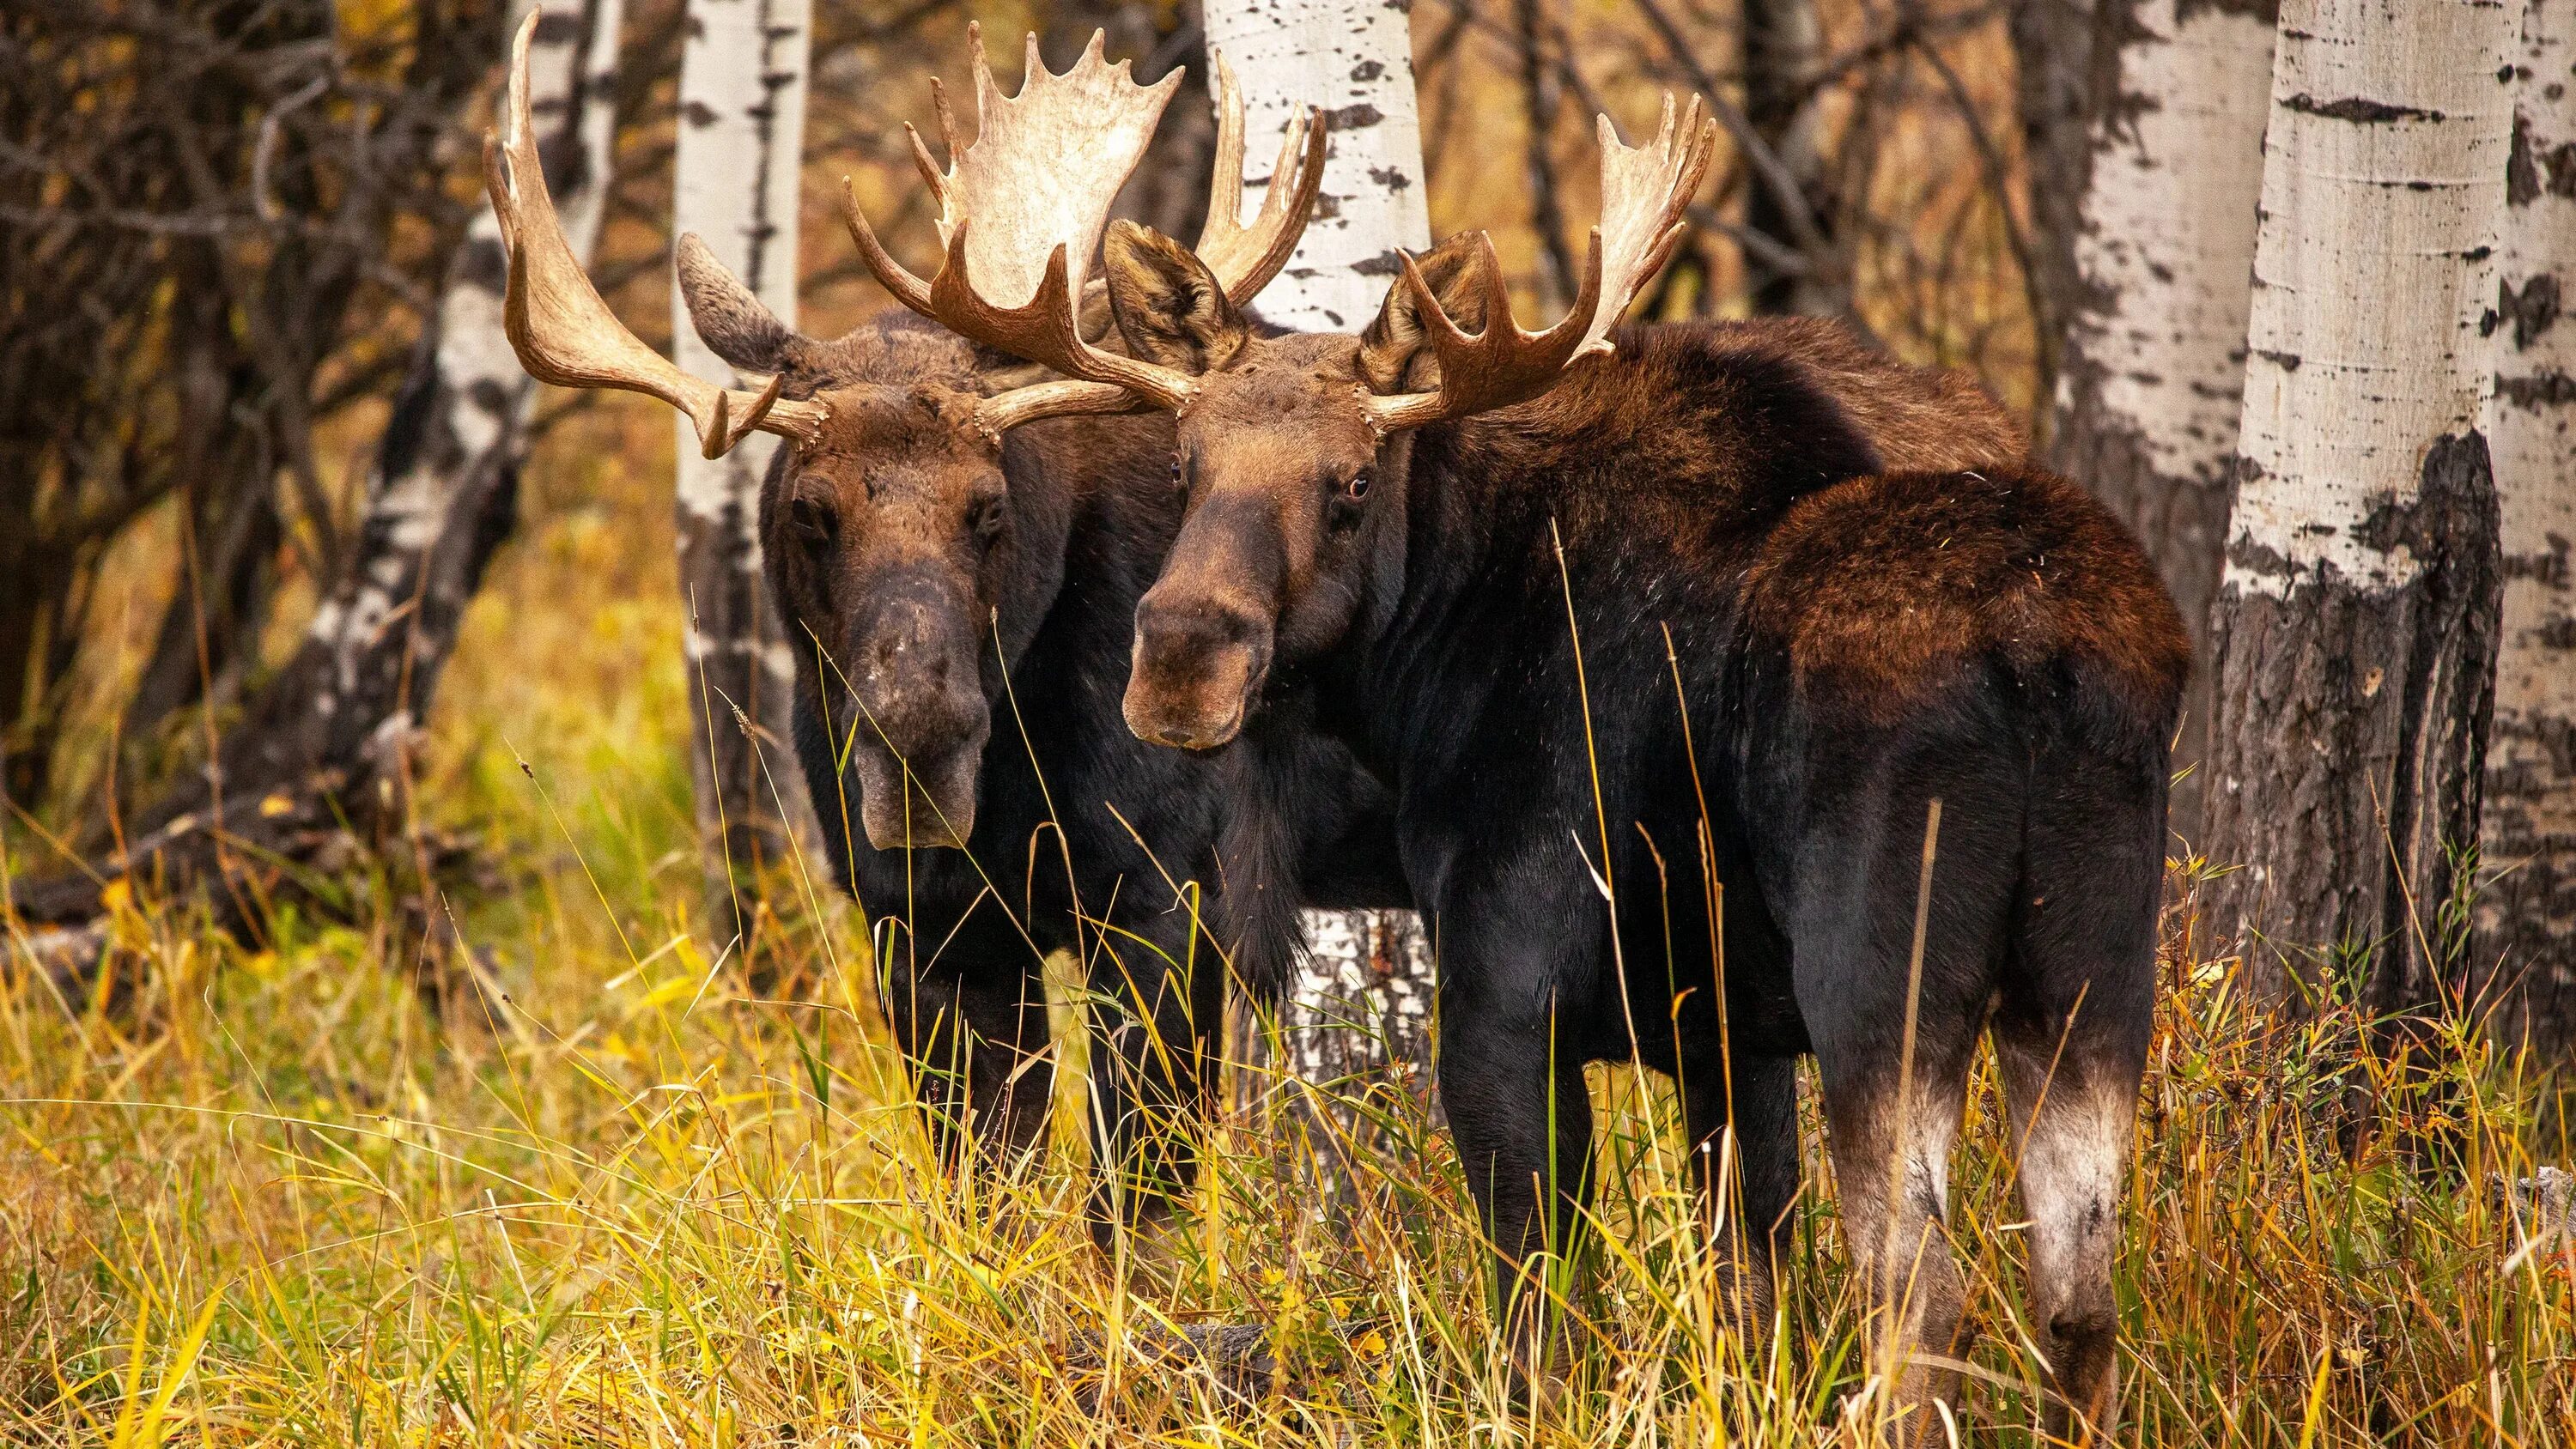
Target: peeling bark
x=2151 y=379
x=2355 y=631
x=2525 y=923
x=735 y=173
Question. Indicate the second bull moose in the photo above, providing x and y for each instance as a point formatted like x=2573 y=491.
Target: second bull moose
x=1734 y=630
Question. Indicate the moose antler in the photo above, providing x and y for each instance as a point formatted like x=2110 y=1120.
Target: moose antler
x=1245 y=259
x=1643 y=192
x=564 y=334
x=1022 y=208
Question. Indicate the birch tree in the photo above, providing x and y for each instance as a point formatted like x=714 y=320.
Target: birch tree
x=327 y=745
x=1355 y=59
x=2354 y=635
x=2151 y=379
x=1363 y=1000
x=2526 y=916
x=741 y=142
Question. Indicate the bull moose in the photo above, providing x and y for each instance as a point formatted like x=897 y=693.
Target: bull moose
x=942 y=554
x=1902 y=707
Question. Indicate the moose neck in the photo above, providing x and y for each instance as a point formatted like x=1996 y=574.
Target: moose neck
x=1628 y=503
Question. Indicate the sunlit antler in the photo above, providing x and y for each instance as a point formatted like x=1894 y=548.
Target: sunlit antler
x=564 y=334
x=1643 y=192
x=1021 y=211
x=1245 y=259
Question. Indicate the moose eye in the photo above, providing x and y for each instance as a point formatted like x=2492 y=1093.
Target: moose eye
x=985 y=517
x=1179 y=482
x=1357 y=488
x=813 y=520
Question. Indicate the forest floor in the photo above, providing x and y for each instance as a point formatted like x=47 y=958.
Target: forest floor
x=604 y=1193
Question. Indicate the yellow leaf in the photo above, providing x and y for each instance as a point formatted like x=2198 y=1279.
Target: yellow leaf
x=116 y=895
x=1371 y=1346
x=275 y=805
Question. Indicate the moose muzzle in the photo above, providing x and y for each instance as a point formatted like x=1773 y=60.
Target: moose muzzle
x=923 y=720
x=1196 y=667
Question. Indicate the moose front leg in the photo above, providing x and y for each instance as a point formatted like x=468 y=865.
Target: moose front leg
x=1522 y=1121
x=972 y=1024
x=1747 y=1177
x=1158 y=1012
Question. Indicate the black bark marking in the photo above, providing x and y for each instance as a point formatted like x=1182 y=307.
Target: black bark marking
x=1366 y=71
x=2534 y=309
x=1352 y=118
x=2538 y=390
x=1390 y=177
x=1385 y=264
x=2358 y=109
x=2313 y=748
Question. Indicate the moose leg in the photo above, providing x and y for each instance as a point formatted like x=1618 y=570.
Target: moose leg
x=1158 y=1013
x=2071 y=1037
x=971 y=1020
x=1522 y=1121
x=1893 y=1045
x=1747 y=1206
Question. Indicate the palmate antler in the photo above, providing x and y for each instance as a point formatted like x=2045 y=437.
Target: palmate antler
x=564 y=334
x=1643 y=192
x=1022 y=208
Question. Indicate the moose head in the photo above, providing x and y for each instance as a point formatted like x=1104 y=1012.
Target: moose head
x=1292 y=449
x=889 y=523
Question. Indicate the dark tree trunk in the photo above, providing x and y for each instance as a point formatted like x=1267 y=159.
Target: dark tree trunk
x=2055 y=52
x=2351 y=737
x=1782 y=42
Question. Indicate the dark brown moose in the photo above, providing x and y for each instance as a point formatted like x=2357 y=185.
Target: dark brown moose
x=1642 y=620
x=937 y=575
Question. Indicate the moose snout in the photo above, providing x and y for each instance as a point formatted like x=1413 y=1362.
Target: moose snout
x=1196 y=666
x=922 y=724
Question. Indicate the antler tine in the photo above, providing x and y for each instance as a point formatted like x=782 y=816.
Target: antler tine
x=564 y=334
x=1494 y=368
x=1245 y=259
x=1021 y=209
x=1644 y=190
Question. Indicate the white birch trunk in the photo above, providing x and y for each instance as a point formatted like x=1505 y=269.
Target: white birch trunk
x=1361 y=1006
x=2526 y=917
x=2152 y=380
x=2355 y=625
x=459 y=434
x=1354 y=58
x=735 y=183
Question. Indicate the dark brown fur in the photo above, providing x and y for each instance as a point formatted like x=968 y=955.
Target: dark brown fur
x=1676 y=628
x=959 y=615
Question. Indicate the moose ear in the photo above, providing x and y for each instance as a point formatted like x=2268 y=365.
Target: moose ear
x=732 y=320
x=1169 y=306
x=1394 y=356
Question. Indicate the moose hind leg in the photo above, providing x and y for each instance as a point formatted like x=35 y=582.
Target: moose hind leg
x=2071 y=1037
